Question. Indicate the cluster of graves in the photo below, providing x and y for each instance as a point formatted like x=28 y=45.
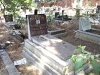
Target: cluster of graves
x=48 y=52
x=62 y=17
x=10 y=23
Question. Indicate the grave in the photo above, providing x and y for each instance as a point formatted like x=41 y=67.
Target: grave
x=8 y=18
x=87 y=33
x=61 y=17
x=58 y=33
x=49 y=53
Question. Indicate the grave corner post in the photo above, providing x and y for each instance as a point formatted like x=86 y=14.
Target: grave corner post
x=29 y=35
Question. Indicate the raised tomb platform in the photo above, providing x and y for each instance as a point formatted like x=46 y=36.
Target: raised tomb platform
x=44 y=50
x=50 y=52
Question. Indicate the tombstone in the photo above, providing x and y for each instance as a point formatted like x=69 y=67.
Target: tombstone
x=8 y=18
x=37 y=25
x=98 y=9
x=35 y=12
x=87 y=33
x=84 y=23
x=99 y=19
x=56 y=14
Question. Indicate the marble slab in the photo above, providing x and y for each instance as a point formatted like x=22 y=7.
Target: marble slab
x=84 y=23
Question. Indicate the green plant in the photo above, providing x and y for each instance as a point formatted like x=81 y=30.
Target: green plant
x=81 y=56
x=50 y=17
x=11 y=6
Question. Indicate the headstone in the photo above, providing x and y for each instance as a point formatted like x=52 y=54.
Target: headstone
x=98 y=9
x=56 y=14
x=8 y=18
x=84 y=23
x=62 y=15
x=99 y=19
x=35 y=12
x=37 y=25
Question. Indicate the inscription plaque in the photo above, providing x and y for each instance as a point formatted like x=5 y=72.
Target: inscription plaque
x=37 y=24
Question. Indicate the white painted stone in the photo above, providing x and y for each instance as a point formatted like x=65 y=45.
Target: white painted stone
x=88 y=37
x=84 y=23
x=80 y=73
x=52 y=60
x=29 y=34
x=12 y=70
x=70 y=73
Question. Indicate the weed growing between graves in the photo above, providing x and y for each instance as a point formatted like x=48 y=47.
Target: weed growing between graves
x=81 y=57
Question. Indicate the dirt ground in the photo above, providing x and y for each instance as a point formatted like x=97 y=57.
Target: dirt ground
x=14 y=50
x=71 y=28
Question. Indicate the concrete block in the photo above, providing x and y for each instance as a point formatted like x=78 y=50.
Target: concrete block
x=94 y=38
x=52 y=60
x=80 y=73
x=41 y=64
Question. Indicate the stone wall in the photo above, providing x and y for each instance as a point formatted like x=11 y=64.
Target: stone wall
x=67 y=3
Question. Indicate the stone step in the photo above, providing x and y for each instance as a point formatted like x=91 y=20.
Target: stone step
x=58 y=33
x=62 y=66
x=54 y=45
x=46 y=69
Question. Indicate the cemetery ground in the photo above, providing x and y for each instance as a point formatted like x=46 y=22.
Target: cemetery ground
x=14 y=50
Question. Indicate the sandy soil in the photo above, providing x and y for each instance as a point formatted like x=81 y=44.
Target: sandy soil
x=71 y=28
x=14 y=51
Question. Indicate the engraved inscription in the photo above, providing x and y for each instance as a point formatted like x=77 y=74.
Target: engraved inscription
x=37 y=24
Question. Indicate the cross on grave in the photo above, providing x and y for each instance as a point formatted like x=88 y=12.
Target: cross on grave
x=37 y=25
x=84 y=23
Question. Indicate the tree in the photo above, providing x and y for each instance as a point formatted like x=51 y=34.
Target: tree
x=14 y=5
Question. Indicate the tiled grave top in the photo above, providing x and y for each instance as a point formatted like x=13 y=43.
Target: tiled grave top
x=84 y=23
x=54 y=45
x=37 y=25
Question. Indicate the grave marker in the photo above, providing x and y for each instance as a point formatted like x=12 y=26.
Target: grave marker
x=37 y=25
x=84 y=23
x=85 y=31
x=8 y=18
x=98 y=9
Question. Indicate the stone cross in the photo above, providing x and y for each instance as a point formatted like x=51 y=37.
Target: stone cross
x=84 y=23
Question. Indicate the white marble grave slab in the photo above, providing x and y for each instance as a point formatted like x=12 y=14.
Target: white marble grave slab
x=84 y=23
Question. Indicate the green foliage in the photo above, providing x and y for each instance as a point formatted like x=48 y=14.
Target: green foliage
x=78 y=63
x=80 y=48
x=83 y=56
x=15 y=5
x=50 y=17
x=96 y=66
